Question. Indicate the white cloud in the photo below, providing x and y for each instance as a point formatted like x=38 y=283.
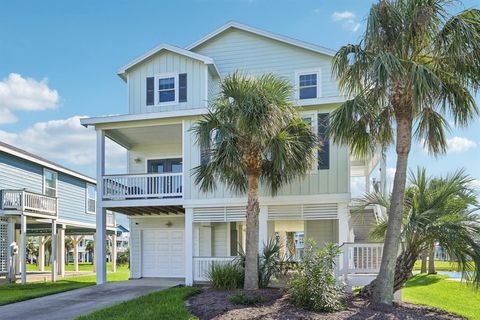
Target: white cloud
x=65 y=141
x=348 y=20
x=337 y=16
x=460 y=144
x=18 y=93
x=475 y=184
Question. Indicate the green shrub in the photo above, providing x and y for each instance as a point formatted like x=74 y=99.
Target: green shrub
x=123 y=258
x=226 y=276
x=269 y=262
x=246 y=299
x=314 y=286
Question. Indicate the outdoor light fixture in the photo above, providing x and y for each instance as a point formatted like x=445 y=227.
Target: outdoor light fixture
x=137 y=160
x=169 y=224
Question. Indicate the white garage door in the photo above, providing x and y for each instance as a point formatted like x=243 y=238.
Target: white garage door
x=163 y=253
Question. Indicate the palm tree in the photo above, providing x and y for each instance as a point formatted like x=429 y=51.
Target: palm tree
x=415 y=65
x=253 y=135
x=436 y=210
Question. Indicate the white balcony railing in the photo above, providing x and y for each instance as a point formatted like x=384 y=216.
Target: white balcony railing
x=30 y=202
x=362 y=258
x=142 y=186
x=203 y=265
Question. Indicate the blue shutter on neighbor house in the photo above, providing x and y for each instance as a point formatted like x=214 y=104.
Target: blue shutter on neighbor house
x=150 y=91
x=182 y=87
x=324 y=152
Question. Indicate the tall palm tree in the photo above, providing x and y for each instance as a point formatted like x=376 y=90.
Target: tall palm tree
x=436 y=210
x=254 y=135
x=415 y=65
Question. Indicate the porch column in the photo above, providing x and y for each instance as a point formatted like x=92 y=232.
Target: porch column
x=92 y=256
x=53 y=254
x=262 y=227
x=367 y=183
x=61 y=251
x=383 y=175
x=18 y=240
x=188 y=246
x=114 y=252
x=41 y=253
x=101 y=234
x=343 y=237
x=23 y=247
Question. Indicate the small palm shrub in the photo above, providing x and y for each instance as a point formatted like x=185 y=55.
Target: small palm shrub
x=269 y=262
x=314 y=286
x=226 y=276
x=123 y=258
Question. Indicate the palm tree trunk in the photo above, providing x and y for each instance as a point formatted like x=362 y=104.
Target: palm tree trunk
x=403 y=271
x=431 y=261
x=383 y=291
x=423 y=269
x=251 y=252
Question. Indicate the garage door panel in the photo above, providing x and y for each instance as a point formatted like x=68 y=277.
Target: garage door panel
x=163 y=253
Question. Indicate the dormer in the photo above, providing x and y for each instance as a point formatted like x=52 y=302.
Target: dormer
x=168 y=78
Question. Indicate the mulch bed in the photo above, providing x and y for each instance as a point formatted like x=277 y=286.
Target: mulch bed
x=213 y=304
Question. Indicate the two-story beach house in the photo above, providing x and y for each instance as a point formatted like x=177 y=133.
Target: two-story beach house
x=178 y=230
x=40 y=198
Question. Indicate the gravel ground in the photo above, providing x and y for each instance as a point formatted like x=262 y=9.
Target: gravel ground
x=213 y=304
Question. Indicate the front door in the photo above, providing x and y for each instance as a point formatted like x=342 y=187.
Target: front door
x=165 y=185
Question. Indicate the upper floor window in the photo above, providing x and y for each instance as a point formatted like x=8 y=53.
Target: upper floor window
x=319 y=123
x=166 y=89
x=49 y=183
x=308 y=85
x=91 y=201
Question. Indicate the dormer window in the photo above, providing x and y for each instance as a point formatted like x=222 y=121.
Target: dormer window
x=166 y=89
x=308 y=85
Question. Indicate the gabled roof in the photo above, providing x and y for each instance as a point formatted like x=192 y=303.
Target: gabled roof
x=267 y=34
x=207 y=60
x=20 y=153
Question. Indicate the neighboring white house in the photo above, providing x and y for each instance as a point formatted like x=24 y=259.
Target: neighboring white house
x=177 y=230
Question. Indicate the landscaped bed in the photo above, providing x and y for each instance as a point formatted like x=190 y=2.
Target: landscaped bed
x=213 y=304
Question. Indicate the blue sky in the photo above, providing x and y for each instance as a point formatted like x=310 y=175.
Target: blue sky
x=67 y=53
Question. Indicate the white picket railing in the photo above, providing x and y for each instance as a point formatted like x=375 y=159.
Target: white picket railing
x=362 y=258
x=29 y=202
x=203 y=265
x=142 y=186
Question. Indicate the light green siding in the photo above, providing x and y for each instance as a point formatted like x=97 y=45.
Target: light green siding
x=240 y=50
x=162 y=63
x=322 y=231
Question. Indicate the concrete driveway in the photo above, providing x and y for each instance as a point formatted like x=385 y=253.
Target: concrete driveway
x=71 y=304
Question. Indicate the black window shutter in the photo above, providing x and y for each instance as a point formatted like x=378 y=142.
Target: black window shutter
x=324 y=152
x=182 y=87
x=150 y=91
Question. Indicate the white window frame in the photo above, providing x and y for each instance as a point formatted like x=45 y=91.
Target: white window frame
x=156 y=93
x=87 y=198
x=55 y=174
x=314 y=124
x=316 y=71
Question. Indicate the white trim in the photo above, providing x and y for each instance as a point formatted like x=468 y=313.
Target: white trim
x=156 y=89
x=206 y=60
x=142 y=116
x=279 y=200
x=46 y=164
x=55 y=174
x=266 y=34
x=87 y=198
x=318 y=72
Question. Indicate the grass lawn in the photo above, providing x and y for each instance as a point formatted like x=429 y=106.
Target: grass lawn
x=439 y=266
x=17 y=292
x=166 y=304
x=452 y=296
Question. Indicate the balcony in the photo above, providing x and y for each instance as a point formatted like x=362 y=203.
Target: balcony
x=28 y=203
x=142 y=186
